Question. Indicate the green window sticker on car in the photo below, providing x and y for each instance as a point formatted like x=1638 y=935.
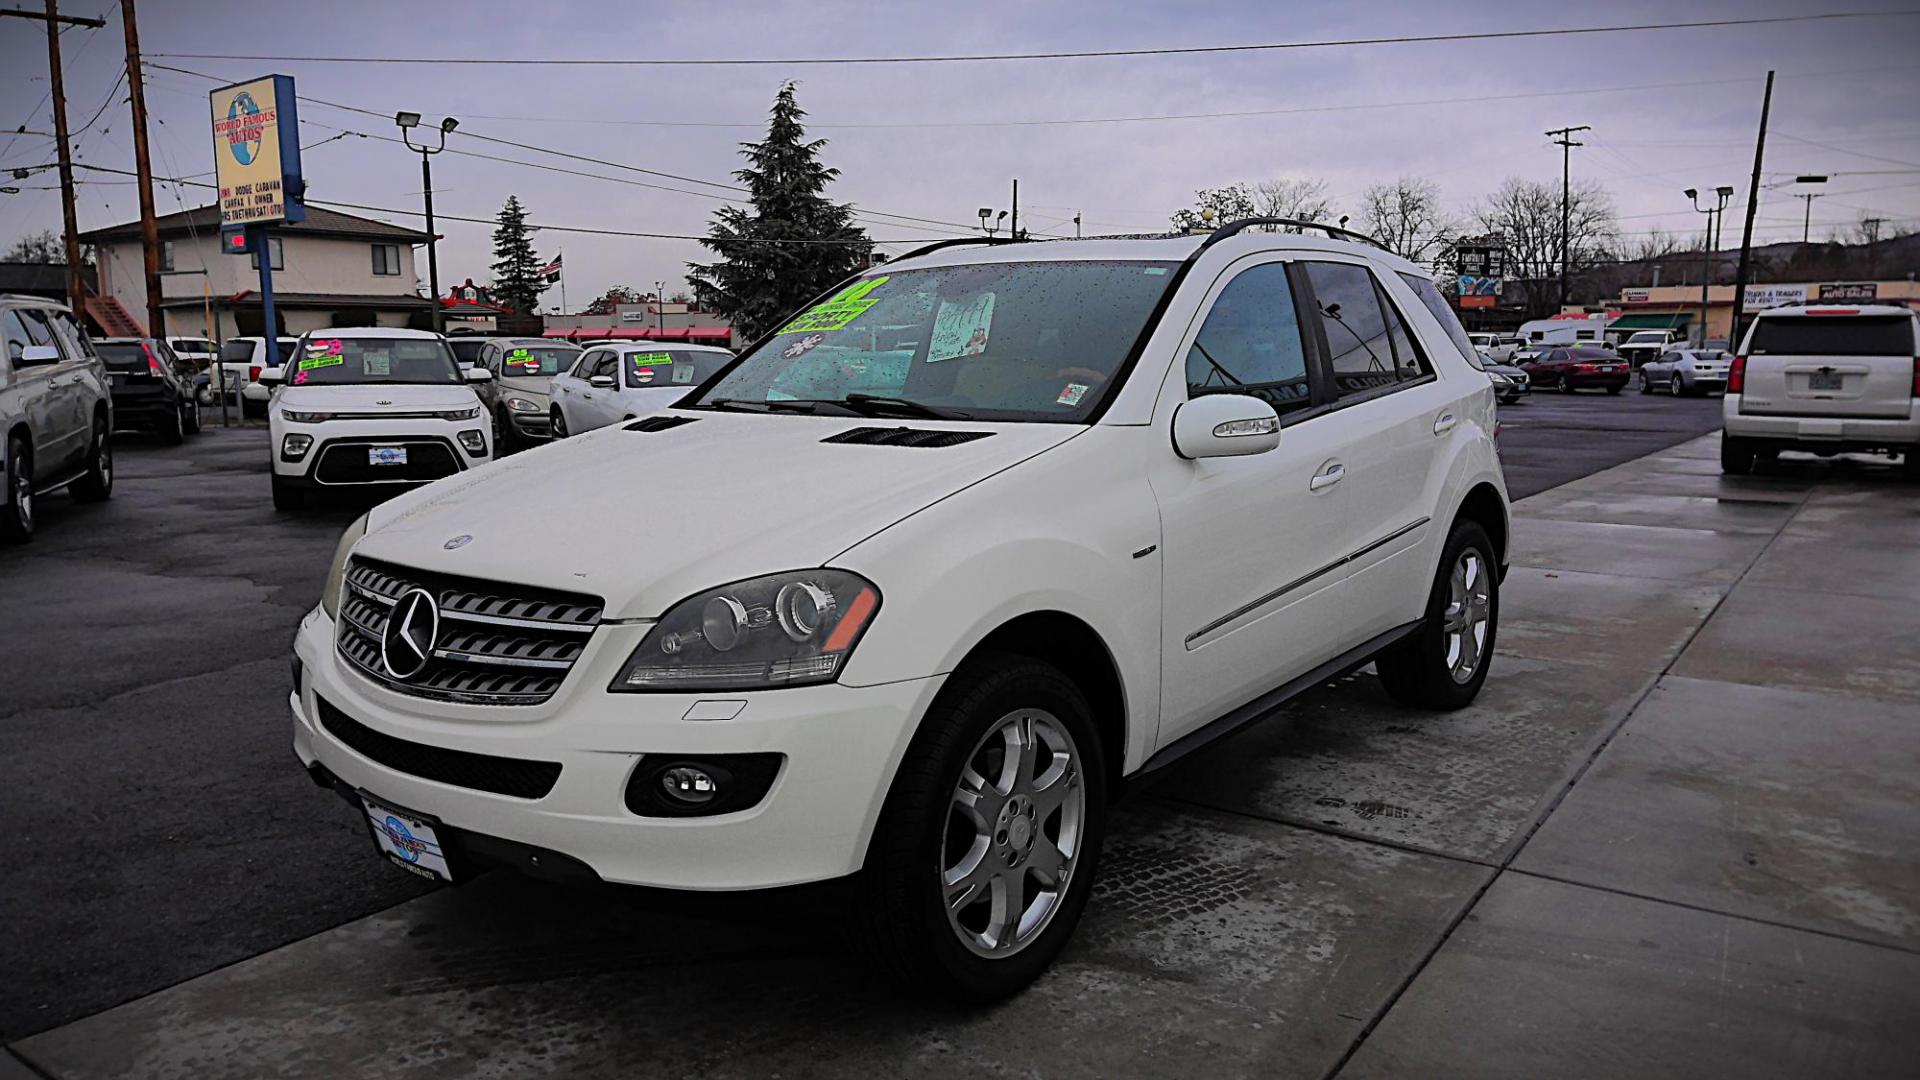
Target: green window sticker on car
x=835 y=312
x=323 y=360
x=651 y=359
x=522 y=358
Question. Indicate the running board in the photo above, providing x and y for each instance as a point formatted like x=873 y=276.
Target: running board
x=48 y=489
x=1258 y=709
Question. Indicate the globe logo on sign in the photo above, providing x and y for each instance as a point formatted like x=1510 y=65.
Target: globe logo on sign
x=243 y=139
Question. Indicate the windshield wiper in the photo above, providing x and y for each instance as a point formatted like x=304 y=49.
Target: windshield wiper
x=878 y=405
x=763 y=406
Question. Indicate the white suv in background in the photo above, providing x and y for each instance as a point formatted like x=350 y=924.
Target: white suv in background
x=1826 y=379
x=612 y=383
x=1093 y=505
x=371 y=406
x=56 y=412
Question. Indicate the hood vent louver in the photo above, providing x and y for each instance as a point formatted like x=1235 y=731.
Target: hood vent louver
x=905 y=436
x=660 y=423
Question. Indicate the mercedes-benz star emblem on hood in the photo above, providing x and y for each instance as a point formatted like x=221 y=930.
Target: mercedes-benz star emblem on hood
x=407 y=643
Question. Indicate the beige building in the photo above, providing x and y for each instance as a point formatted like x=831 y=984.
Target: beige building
x=1677 y=307
x=332 y=269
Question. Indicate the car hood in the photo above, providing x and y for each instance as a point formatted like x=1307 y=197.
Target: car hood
x=535 y=385
x=1508 y=370
x=646 y=518
x=375 y=397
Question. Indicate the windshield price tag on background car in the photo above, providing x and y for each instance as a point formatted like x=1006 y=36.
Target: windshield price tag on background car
x=961 y=329
x=837 y=311
x=323 y=360
x=376 y=363
x=522 y=358
x=683 y=373
x=1072 y=394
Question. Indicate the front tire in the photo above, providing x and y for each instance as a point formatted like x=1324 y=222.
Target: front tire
x=97 y=484
x=985 y=852
x=559 y=424
x=16 y=502
x=1443 y=664
x=1646 y=384
x=287 y=497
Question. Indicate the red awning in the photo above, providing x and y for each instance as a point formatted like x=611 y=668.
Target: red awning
x=557 y=332
x=709 y=333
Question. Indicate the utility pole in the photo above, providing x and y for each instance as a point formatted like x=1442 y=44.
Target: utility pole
x=1563 y=138
x=1871 y=226
x=76 y=285
x=1753 y=204
x=1015 y=231
x=1806 y=222
x=143 y=167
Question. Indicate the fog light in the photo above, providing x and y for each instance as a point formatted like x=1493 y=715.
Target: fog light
x=475 y=442
x=294 y=447
x=689 y=785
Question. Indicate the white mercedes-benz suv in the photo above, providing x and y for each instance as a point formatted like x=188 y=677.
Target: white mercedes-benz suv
x=372 y=406
x=1069 y=511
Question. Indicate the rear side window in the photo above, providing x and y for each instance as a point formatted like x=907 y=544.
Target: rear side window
x=1833 y=335
x=237 y=352
x=1251 y=343
x=655 y=368
x=72 y=338
x=1437 y=305
x=1359 y=336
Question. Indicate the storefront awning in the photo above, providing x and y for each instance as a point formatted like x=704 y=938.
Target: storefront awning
x=1674 y=320
x=558 y=332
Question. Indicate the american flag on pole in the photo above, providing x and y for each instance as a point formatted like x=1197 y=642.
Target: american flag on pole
x=551 y=271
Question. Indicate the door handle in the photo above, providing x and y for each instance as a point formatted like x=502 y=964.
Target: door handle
x=1327 y=477
x=1444 y=424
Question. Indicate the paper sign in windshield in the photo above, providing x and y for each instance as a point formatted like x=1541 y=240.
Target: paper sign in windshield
x=377 y=364
x=683 y=373
x=961 y=328
x=838 y=310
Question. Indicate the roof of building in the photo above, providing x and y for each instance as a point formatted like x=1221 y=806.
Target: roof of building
x=206 y=219
x=41 y=278
x=251 y=298
x=375 y=332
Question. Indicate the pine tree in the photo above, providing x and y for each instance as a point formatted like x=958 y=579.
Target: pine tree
x=756 y=284
x=517 y=283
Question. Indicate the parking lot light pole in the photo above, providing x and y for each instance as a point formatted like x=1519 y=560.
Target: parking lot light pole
x=407 y=121
x=1706 y=261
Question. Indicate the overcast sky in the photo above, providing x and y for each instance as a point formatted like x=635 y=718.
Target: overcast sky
x=1465 y=114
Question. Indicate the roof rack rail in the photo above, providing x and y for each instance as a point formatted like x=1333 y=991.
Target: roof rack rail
x=1334 y=232
x=955 y=242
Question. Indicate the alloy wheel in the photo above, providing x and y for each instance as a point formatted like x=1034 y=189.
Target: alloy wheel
x=1012 y=833
x=1673 y=386
x=1469 y=609
x=23 y=492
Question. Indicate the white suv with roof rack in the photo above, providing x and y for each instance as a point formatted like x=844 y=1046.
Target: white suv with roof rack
x=1825 y=379
x=913 y=589
x=373 y=406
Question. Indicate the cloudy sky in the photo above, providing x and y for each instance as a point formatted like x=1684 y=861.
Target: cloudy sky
x=1670 y=109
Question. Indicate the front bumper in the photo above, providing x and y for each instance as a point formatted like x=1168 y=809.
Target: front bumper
x=1840 y=432
x=347 y=441
x=531 y=426
x=841 y=746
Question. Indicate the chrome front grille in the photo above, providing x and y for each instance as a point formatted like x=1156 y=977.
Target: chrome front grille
x=497 y=644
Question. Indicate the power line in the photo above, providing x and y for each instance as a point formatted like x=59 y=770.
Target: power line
x=1494 y=35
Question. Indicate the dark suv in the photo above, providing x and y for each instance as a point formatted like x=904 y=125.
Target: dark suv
x=152 y=387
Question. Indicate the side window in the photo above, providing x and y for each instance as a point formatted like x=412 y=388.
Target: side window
x=73 y=340
x=16 y=334
x=35 y=321
x=584 y=365
x=1359 y=340
x=1442 y=313
x=1251 y=343
x=608 y=364
x=1409 y=359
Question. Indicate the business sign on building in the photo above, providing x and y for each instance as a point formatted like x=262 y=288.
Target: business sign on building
x=1766 y=296
x=256 y=152
x=631 y=314
x=1480 y=260
x=1636 y=296
x=1851 y=291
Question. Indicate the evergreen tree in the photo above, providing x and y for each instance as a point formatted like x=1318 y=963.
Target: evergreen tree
x=517 y=283
x=756 y=284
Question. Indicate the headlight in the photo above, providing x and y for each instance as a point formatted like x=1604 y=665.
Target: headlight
x=459 y=414
x=520 y=404
x=787 y=629
x=337 y=573
x=475 y=442
x=306 y=417
x=1499 y=379
x=294 y=446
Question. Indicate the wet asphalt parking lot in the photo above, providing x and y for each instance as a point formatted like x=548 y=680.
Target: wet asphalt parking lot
x=155 y=823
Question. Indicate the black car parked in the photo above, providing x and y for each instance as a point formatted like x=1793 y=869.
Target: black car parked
x=152 y=387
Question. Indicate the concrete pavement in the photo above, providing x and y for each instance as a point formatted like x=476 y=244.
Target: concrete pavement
x=1673 y=837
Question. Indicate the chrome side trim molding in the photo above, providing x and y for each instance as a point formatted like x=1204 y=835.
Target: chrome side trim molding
x=1305 y=579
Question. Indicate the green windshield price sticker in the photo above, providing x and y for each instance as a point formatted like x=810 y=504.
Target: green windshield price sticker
x=837 y=311
x=522 y=358
x=651 y=359
x=321 y=361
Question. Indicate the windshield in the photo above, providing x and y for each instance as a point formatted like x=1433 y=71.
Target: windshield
x=329 y=361
x=528 y=361
x=466 y=350
x=1037 y=341
x=672 y=367
x=1828 y=335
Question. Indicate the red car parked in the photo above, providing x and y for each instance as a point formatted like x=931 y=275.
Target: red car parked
x=1578 y=367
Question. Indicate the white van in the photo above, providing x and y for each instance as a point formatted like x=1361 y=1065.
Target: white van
x=1548 y=332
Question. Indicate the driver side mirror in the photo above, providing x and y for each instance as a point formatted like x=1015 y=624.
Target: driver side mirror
x=1225 y=425
x=477 y=374
x=604 y=382
x=37 y=356
x=272 y=377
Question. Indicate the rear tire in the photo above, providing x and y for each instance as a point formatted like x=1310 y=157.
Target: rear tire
x=97 y=484
x=1443 y=664
x=955 y=805
x=1673 y=386
x=172 y=428
x=287 y=497
x=1910 y=463
x=559 y=424
x=16 y=503
x=1646 y=384
x=190 y=414
x=1736 y=456
x=1615 y=389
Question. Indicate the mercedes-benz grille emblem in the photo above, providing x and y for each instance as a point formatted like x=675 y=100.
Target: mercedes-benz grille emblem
x=407 y=643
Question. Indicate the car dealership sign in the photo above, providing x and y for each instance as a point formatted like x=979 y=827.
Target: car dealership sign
x=1766 y=296
x=256 y=152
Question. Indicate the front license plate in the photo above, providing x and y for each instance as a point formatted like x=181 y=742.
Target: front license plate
x=386 y=455
x=411 y=841
x=1826 y=380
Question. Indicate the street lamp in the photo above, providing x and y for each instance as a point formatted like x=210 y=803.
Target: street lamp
x=1706 y=262
x=407 y=121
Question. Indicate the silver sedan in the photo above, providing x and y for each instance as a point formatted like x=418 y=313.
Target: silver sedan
x=1686 y=371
